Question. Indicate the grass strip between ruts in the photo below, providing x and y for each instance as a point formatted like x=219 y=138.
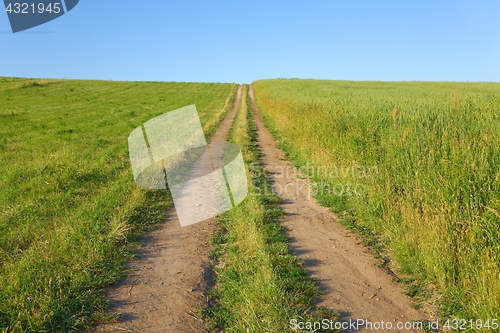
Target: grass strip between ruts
x=260 y=287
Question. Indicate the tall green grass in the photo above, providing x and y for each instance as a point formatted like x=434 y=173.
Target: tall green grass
x=260 y=286
x=433 y=194
x=69 y=208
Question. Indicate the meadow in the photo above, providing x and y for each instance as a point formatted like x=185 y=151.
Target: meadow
x=70 y=212
x=412 y=166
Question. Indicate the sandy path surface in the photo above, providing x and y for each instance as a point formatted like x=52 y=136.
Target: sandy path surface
x=165 y=287
x=347 y=273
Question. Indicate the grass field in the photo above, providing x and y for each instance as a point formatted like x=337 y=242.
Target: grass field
x=413 y=166
x=260 y=286
x=69 y=209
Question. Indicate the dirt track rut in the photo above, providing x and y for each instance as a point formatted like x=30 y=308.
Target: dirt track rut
x=165 y=287
x=347 y=273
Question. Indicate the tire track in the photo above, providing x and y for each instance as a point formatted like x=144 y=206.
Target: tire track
x=168 y=283
x=347 y=273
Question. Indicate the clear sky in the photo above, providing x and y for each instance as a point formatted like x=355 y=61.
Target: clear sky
x=243 y=41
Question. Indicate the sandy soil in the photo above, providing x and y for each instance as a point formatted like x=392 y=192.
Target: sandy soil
x=347 y=272
x=166 y=286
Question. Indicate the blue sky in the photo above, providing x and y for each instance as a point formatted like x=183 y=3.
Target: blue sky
x=243 y=41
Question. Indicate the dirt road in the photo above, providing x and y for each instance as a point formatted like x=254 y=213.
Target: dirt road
x=167 y=284
x=347 y=273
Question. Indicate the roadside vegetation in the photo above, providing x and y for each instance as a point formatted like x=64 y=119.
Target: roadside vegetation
x=260 y=287
x=414 y=167
x=70 y=212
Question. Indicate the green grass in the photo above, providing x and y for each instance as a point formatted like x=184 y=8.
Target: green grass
x=69 y=209
x=260 y=287
x=414 y=166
